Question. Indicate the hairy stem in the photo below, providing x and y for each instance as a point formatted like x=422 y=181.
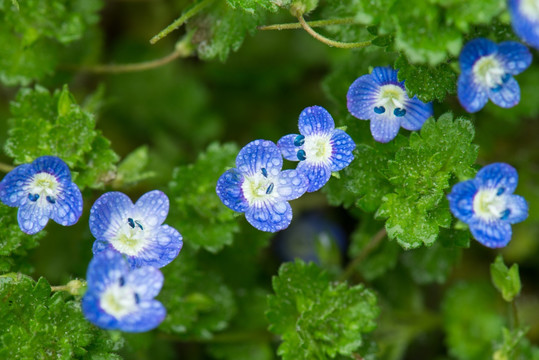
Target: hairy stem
x=123 y=68
x=329 y=42
x=6 y=168
x=373 y=243
x=316 y=23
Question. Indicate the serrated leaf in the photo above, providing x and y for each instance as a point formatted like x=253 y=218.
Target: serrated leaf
x=132 y=168
x=506 y=280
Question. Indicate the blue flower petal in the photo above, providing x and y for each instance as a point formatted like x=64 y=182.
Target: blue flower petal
x=147 y=282
x=518 y=209
x=12 y=185
x=417 y=112
x=259 y=154
x=287 y=147
x=270 y=216
x=525 y=27
x=104 y=269
x=108 y=214
x=507 y=96
x=473 y=50
x=472 y=97
x=498 y=175
x=68 y=206
x=318 y=174
x=385 y=128
x=461 y=199
x=515 y=56
x=32 y=217
x=54 y=166
x=362 y=96
x=93 y=313
x=386 y=75
x=151 y=314
x=315 y=120
x=229 y=190
x=343 y=145
x=164 y=247
x=493 y=234
x=292 y=184
x=152 y=207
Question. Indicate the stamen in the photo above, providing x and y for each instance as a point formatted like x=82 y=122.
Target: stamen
x=399 y=112
x=506 y=77
x=122 y=281
x=139 y=224
x=33 y=197
x=299 y=140
x=301 y=155
x=500 y=191
x=131 y=222
x=505 y=214
x=264 y=172
x=50 y=200
x=269 y=189
x=379 y=109
x=137 y=298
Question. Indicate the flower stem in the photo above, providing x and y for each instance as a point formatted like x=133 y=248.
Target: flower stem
x=329 y=42
x=6 y=168
x=515 y=323
x=181 y=20
x=316 y=23
x=373 y=243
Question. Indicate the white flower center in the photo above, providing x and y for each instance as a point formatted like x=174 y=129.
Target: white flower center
x=488 y=205
x=259 y=187
x=318 y=148
x=131 y=238
x=530 y=9
x=391 y=100
x=489 y=72
x=43 y=189
x=119 y=301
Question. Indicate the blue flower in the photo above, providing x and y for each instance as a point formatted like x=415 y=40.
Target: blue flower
x=320 y=148
x=135 y=230
x=487 y=204
x=42 y=190
x=487 y=71
x=382 y=99
x=119 y=298
x=525 y=20
x=259 y=188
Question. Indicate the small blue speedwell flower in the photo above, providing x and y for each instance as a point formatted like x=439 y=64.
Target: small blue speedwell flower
x=487 y=71
x=487 y=204
x=135 y=230
x=119 y=298
x=525 y=20
x=259 y=188
x=382 y=99
x=319 y=147
x=42 y=190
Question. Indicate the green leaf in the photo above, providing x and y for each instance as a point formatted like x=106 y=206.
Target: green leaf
x=251 y=6
x=211 y=224
x=53 y=124
x=506 y=280
x=36 y=325
x=515 y=346
x=315 y=318
x=132 y=168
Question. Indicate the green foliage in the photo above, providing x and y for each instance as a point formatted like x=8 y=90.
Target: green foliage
x=132 y=168
x=515 y=346
x=33 y=31
x=36 y=325
x=53 y=124
x=315 y=318
x=506 y=280
x=211 y=224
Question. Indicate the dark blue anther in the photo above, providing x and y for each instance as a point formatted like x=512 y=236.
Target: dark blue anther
x=51 y=200
x=269 y=189
x=137 y=298
x=399 y=112
x=500 y=191
x=506 y=77
x=299 y=140
x=33 y=197
x=131 y=222
x=301 y=155
x=122 y=281
x=379 y=109
x=496 y=88
x=139 y=224
x=264 y=172
x=505 y=214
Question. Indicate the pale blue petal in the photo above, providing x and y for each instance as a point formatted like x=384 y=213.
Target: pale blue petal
x=527 y=29
x=54 y=166
x=315 y=120
x=417 y=112
x=270 y=216
x=385 y=128
x=12 y=186
x=518 y=209
x=287 y=147
x=291 y=184
x=515 y=56
x=498 y=176
x=146 y=281
x=318 y=174
x=162 y=248
x=386 y=75
x=105 y=268
x=259 y=154
x=362 y=96
x=93 y=313
x=461 y=199
x=109 y=213
x=343 y=147
x=32 y=217
x=150 y=315
x=507 y=96
x=473 y=50
x=68 y=206
x=472 y=96
x=152 y=207
x=492 y=234
x=230 y=192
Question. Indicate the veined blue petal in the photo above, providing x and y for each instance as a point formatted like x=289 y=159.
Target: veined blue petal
x=270 y=216
x=492 y=234
x=473 y=50
x=525 y=25
x=109 y=212
x=150 y=315
x=259 y=154
x=518 y=209
x=515 y=56
x=385 y=128
x=498 y=175
x=291 y=184
x=229 y=190
x=507 y=96
x=362 y=96
x=461 y=199
x=147 y=282
x=417 y=112
x=318 y=174
x=104 y=269
x=152 y=207
x=343 y=146
x=12 y=186
x=287 y=147
x=386 y=75
x=94 y=314
x=161 y=249
x=472 y=96
x=68 y=206
x=54 y=166
x=32 y=217
x=315 y=120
